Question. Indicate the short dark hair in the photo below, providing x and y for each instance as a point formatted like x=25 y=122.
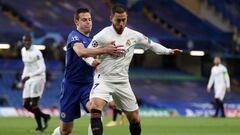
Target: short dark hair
x=27 y=35
x=118 y=8
x=80 y=10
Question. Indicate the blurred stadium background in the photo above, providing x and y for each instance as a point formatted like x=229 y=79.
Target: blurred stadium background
x=165 y=85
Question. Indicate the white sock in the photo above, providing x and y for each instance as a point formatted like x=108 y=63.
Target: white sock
x=56 y=131
x=89 y=130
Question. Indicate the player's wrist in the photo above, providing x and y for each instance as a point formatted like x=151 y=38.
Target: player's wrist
x=103 y=50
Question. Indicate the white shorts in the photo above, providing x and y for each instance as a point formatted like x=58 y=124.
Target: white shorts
x=220 y=93
x=34 y=87
x=121 y=93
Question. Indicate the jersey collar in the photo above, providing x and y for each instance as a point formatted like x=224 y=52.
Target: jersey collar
x=82 y=34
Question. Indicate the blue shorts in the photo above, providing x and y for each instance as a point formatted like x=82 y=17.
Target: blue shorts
x=71 y=97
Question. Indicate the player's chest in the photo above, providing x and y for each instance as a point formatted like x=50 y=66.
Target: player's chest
x=218 y=72
x=126 y=41
x=29 y=56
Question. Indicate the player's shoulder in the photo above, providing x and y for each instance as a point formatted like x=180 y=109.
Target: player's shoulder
x=214 y=67
x=101 y=35
x=35 y=50
x=105 y=30
x=223 y=67
x=133 y=32
x=74 y=36
x=23 y=49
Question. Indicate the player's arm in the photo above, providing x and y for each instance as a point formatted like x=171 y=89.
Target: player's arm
x=156 y=47
x=210 y=81
x=227 y=79
x=91 y=61
x=41 y=65
x=24 y=76
x=81 y=51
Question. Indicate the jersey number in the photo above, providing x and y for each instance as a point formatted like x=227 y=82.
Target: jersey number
x=96 y=84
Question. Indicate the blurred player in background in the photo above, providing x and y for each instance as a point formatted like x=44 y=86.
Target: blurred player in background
x=220 y=78
x=115 y=112
x=78 y=76
x=111 y=76
x=33 y=81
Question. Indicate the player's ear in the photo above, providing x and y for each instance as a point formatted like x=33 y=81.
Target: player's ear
x=75 y=21
x=111 y=17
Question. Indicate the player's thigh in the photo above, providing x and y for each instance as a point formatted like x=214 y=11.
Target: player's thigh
x=124 y=97
x=37 y=87
x=100 y=95
x=26 y=90
x=69 y=102
x=133 y=116
x=84 y=92
x=220 y=93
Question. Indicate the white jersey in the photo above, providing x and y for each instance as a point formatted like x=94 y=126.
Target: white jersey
x=220 y=78
x=115 y=69
x=33 y=63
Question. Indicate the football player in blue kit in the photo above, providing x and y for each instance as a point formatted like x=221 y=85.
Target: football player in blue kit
x=78 y=76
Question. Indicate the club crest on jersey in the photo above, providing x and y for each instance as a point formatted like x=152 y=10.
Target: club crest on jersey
x=95 y=43
x=63 y=115
x=74 y=38
x=130 y=42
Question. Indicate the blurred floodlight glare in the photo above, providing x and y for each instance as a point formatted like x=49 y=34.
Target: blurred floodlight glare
x=40 y=47
x=138 y=51
x=197 y=53
x=64 y=48
x=4 y=46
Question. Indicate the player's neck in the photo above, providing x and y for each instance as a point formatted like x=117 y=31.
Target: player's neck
x=83 y=33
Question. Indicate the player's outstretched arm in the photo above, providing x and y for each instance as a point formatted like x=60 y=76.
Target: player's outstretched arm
x=156 y=47
x=175 y=51
x=160 y=49
x=110 y=48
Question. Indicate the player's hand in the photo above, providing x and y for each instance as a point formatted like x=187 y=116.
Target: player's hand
x=25 y=79
x=19 y=85
x=113 y=49
x=22 y=83
x=175 y=51
x=228 y=90
x=208 y=90
x=96 y=62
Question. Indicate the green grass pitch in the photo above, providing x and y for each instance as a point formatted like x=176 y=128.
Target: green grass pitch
x=150 y=126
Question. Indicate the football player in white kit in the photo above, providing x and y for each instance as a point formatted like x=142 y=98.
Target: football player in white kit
x=111 y=76
x=220 y=78
x=33 y=81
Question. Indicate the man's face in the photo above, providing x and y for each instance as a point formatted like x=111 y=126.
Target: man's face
x=84 y=23
x=27 y=41
x=119 y=21
x=217 y=61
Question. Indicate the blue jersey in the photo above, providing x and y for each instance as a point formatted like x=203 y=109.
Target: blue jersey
x=76 y=70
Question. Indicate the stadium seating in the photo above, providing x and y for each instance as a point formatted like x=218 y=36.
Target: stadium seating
x=230 y=9
x=53 y=19
x=9 y=30
x=191 y=26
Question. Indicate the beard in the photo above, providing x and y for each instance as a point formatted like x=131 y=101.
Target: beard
x=118 y=30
